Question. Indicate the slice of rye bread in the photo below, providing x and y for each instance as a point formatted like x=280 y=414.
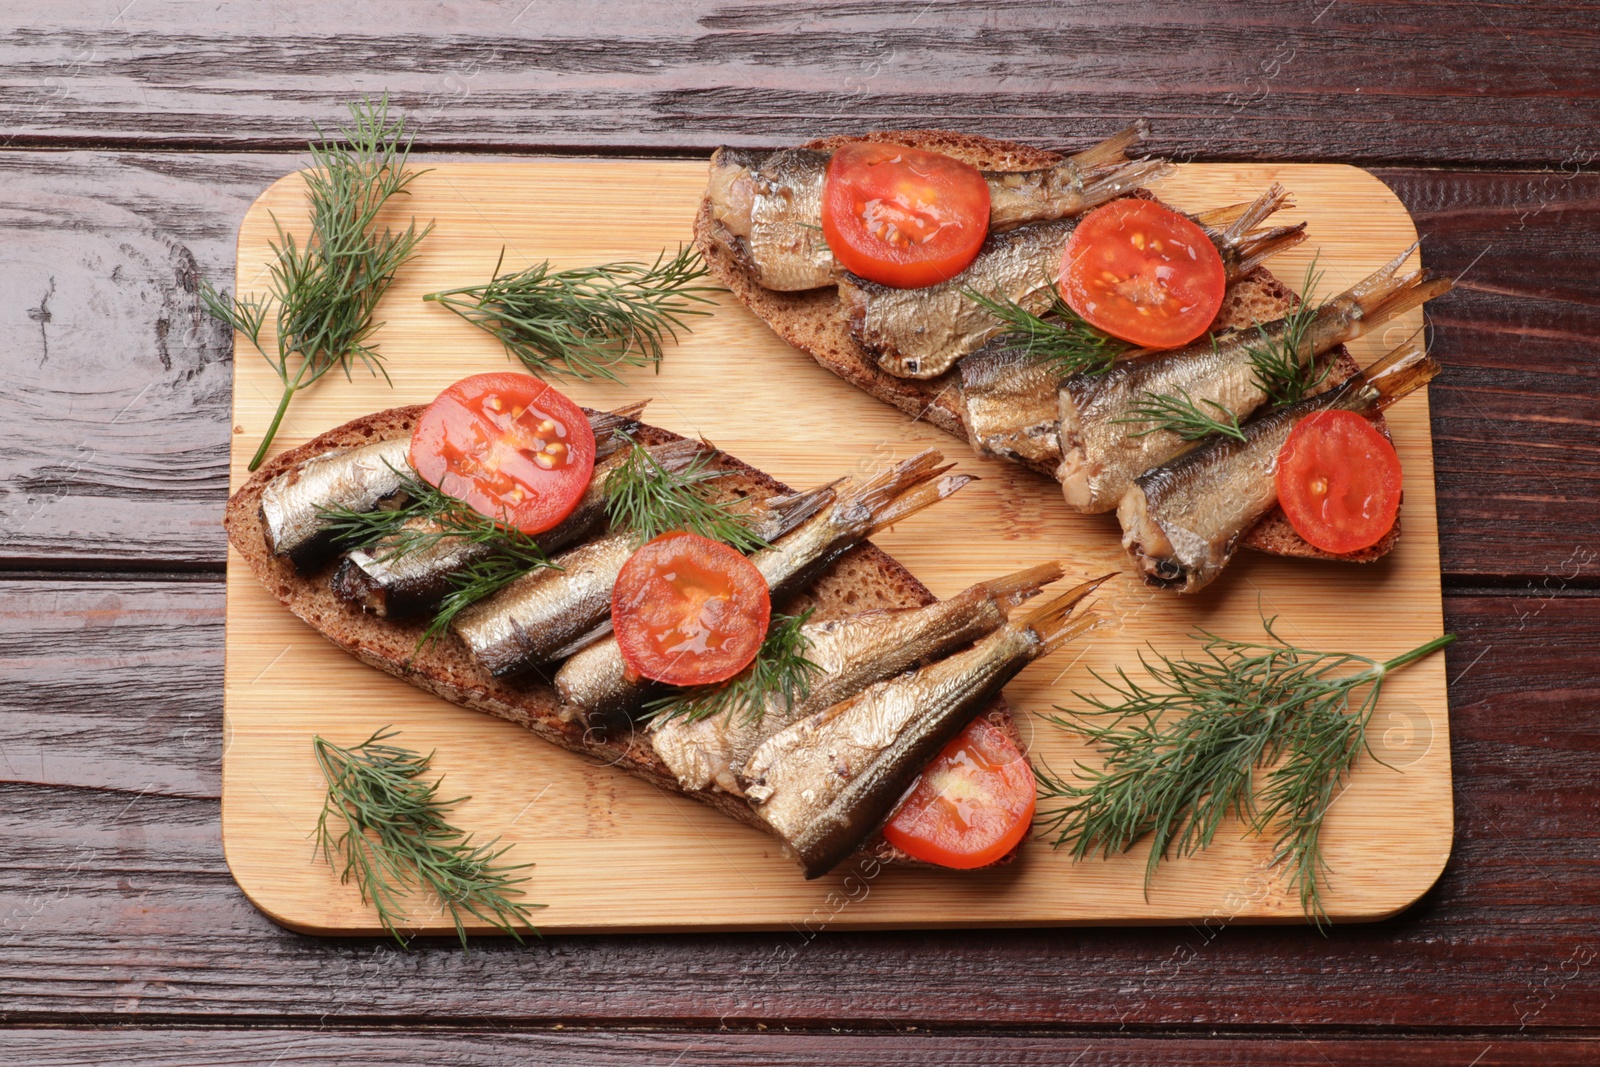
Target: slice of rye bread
x=815 y=323
x=864 y=579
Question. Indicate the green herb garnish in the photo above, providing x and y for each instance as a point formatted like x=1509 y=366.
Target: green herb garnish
x=1180 y=414
x=426 y=517
x=648 y=499
x=324 y=292
x=1063 y=338
x=1280 y=370
x=588 y=321
x=394 y=836
x=1262 y=730
x=780 y=669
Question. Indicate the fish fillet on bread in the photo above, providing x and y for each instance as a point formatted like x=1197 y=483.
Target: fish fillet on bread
x=863 y=579
x=814 y=321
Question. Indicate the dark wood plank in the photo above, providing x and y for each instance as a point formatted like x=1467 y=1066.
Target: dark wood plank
x=113 y=446
x=1450 y=81
x=286 y=1048
x=116 y=904
x=1515 y=425
x=114 y=419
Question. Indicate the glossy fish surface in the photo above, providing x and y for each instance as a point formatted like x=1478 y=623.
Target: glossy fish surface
x=851 y=653
x=355 y=478
x=829 y=780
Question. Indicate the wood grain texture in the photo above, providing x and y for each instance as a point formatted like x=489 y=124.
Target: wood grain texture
x=467 y=1048
x=116 y=905
x=674 y=861
x=1447 y=81
x=1512 y=410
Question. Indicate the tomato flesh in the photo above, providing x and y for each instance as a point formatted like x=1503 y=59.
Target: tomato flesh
x=688 y=610
x=1143 y=273
x=903 y=217
x=1339 y=481
x=971 y=806
x=508 y=445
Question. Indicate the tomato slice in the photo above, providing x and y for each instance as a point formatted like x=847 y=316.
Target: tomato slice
x=1143 y=273
x=971 y=806
x=688 y=610
x=1339 y=481
x=508 y=445
x=903 y=217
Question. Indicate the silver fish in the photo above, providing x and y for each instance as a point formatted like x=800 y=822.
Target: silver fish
x=356 y=478
x=1181 y=522
x=533 y=619
x=388 y=584
x=1102 y=452
x=595 y=683
x=1008 y=392
x=828 y=781
x=766 y=207
x=851 y=653
x=921 y=333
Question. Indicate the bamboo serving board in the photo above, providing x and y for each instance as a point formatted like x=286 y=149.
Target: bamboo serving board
x=614 y=853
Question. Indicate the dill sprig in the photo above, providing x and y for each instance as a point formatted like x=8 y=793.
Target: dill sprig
x=1262 y=730
x=1063 y=337
x=649 y=499
x=395 y=837
x=1279 y=368
x=426 y=516
x=1180 y=414
x=588 y=321
x=780 y=669
x=324 y=292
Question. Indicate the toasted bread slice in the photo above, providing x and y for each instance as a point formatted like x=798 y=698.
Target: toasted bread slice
x=863 y=579
x=814 y=322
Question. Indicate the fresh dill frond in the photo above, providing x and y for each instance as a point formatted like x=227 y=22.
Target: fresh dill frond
x=394 y=836
x=1179 y=414
x=649 y=499
x=1060 y=335
x=1283 y=367
x=423 y=517
x=324 y=291
x=1263 y=730
x=779 y=670
x=587 y=322
x=426 y=516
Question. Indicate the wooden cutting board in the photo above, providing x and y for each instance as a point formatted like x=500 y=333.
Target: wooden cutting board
x=614 y=853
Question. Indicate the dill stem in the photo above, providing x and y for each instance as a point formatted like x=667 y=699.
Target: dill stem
x=1416 y=653
x=272 y=430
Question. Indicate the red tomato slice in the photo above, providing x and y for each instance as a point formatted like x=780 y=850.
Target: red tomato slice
x=903 y=217
x=508 y=445
x=1143 y=273
x=1339 y=481
x=971 y=806
x=688 y=610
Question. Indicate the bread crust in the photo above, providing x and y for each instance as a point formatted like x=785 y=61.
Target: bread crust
x=814 y=322
x=863 y=579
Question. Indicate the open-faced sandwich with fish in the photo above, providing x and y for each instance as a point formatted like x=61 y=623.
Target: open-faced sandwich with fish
x=1053 y=312
x=652 y=602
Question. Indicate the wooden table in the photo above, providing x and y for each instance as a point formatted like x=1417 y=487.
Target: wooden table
x=134 y=134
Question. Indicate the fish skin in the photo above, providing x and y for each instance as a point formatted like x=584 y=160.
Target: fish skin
x=356 y=478
x=407 y=585
x=595 y=681
x=1101 y=456
x=1008 y=393
x=534 y=619
x=767 y=206
x=826 y=782
x=850 y=653
x=1183 y=521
